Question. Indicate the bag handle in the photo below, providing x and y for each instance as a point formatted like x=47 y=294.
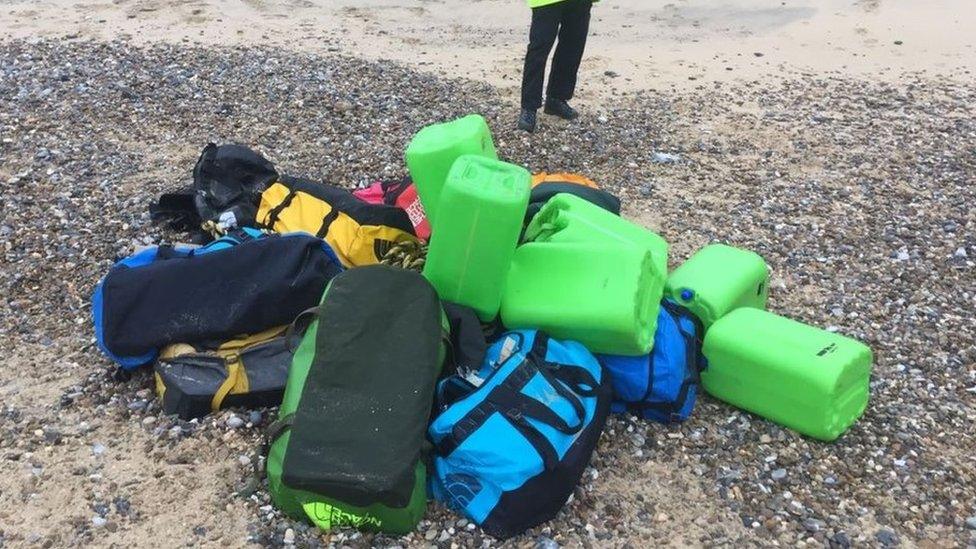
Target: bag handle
x=299 y=326
x=575 y=376
x=516 y=405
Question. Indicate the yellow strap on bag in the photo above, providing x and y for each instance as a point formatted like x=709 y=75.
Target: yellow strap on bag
x=237 y=382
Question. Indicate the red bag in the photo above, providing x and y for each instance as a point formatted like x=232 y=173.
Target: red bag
x=402 y=194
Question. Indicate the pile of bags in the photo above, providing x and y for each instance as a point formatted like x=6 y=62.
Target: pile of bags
x=460 y=335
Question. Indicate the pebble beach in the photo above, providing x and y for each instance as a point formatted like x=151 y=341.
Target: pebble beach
x=858 y=192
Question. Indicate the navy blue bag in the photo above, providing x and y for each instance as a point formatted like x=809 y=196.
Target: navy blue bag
x=512 y=439
x=243 y=283
x=663 y=385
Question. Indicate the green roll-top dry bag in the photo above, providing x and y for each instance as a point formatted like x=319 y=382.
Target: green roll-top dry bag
x=347 y=449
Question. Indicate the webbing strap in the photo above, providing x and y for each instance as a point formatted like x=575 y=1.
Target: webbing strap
x=276 y=211
x=507 y=399
x=278 y=428
x=235 y=368
x=327 y=222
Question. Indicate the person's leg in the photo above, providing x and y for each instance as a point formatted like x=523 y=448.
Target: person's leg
x=542 y=35
x=575 y=25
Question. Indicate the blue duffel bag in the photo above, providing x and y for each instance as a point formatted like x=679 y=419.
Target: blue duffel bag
x=242 y=283
x=512 y=439
x=662 y=385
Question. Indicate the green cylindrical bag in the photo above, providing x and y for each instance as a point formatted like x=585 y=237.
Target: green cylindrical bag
x=347 y=449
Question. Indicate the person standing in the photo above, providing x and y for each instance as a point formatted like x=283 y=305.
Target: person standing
x=569 y=20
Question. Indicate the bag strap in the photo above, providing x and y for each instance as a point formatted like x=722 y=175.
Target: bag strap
x=575 y=376
x=235 y=369
x=327 y=222
x=300 y=325
x=276 y=211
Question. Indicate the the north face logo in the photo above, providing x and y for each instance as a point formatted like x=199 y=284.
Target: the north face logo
x=462 y=489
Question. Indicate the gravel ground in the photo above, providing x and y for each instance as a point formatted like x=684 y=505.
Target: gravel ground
x=859 y=195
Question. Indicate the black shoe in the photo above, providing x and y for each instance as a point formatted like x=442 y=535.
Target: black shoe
x=526 y=120
x=560 y=108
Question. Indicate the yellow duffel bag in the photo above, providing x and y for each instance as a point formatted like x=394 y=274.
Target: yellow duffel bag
x=360 y=233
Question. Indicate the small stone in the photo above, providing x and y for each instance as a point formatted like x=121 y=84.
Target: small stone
x=887 y=537
x=971 y=522
x=289 y=538
x=98 y=449
x=175 y=431
x=235 y=422
x=148 y=420
x=903 y=255
x=778 y=474
x=960 y=253
x=98 y=521
x=813 y=525
x=254 y=417
x=665 y=158
x=840 y=541
x=546 y=543
x=122 y=505
x=431 y=534
x=898 y=42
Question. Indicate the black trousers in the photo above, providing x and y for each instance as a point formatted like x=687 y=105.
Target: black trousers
x=568 y=20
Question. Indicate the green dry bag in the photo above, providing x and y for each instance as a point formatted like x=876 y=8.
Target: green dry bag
x=808 y=379
x=347 y=449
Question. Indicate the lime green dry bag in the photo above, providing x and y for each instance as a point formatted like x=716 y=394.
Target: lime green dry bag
x=347 y=449
x=808 y=379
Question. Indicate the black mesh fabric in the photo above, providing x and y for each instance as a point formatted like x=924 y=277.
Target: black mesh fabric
x=361 y=422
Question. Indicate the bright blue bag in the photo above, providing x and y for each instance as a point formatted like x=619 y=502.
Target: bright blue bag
x=512 y=439
x=663 y=385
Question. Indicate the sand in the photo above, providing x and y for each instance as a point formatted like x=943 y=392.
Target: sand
x=634 y=45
